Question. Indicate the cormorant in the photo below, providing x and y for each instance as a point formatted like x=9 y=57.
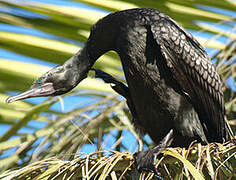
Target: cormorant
x=174 y=91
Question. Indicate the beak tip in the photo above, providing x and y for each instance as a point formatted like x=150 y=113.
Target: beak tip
x=8 y=100
x=44 y=90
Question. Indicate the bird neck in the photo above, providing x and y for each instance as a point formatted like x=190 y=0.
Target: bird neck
x=80 y=62
x=102 y=39
x=77 y=67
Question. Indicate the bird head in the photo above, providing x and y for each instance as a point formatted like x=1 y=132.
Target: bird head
x=57 y=81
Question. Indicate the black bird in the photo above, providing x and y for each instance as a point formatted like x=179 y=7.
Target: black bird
x=174 y=90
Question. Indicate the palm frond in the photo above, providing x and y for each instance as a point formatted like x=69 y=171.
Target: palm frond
x=214 y=161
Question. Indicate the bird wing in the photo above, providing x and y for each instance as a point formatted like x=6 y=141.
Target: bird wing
x=195 y=73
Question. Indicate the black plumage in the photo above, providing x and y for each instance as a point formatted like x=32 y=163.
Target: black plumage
x=174 y=91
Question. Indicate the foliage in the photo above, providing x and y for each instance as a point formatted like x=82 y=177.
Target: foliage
x=214 y=161
x=56 y=32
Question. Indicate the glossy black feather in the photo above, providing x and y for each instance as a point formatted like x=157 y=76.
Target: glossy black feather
x=170 y=77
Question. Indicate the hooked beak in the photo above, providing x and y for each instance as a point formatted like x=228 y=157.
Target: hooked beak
x=46 y=89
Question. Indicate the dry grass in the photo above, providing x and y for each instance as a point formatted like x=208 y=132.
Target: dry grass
x=214 y=161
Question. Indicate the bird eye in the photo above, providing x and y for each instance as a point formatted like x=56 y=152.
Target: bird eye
x=39 y=80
